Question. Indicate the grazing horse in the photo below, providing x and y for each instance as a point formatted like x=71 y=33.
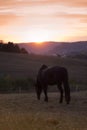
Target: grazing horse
x=53 y=76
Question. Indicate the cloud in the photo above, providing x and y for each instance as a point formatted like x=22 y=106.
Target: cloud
x=7 y=3
x=43 y=6
x=71 y=16
x=74 y=3
x=6 y=19
x=84 y=20
x=54 y=15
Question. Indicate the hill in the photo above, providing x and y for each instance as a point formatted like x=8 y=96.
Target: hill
x=56 y=48
x=35 y=48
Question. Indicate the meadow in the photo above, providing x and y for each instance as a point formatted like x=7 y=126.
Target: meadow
x=24 y=68
x=22 y=111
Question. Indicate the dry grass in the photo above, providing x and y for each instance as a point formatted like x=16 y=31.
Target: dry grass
x=24 y=112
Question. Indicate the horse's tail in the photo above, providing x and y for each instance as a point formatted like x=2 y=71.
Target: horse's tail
x=66 y=87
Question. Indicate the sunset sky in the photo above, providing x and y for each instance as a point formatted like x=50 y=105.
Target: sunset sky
x=43 y=20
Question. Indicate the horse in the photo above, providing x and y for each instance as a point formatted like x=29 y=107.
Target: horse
x=55 y=75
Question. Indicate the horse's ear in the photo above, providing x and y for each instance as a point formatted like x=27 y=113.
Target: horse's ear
x=43 y=66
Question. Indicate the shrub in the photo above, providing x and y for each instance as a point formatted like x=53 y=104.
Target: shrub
x=9 y=85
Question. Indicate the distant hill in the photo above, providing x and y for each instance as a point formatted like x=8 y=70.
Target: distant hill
x=56 y=48
x=39 y=49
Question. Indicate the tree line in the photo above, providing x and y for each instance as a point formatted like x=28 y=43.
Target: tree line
x=10 y=85
x=11 y=47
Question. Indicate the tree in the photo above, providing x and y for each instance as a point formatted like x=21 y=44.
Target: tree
x=11 y=47
x=17 y=49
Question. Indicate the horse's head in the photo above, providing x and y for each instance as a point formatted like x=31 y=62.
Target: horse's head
x=38 y=88
x=38 y=84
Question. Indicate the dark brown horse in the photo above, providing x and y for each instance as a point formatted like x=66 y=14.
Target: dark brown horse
x=53 y=76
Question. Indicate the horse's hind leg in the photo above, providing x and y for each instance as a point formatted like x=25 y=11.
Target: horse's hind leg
x=45 y=92
x=67 y=92
x=61 y=92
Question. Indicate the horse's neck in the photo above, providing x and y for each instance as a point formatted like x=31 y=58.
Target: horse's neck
x=40 y=73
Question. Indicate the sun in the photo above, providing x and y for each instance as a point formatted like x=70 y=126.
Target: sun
x=37 y=36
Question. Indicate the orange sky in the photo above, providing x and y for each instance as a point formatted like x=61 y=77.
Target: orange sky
x=43 y=20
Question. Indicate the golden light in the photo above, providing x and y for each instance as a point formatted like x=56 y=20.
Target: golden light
x=37 y=36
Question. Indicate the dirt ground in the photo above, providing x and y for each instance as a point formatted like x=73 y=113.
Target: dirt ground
x=25 y=112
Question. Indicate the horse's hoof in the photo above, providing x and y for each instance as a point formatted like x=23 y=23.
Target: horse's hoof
x=60 y=102
x=38 y=98
x=67 y=103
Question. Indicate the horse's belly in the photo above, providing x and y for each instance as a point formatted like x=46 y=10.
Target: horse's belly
x=51 y=82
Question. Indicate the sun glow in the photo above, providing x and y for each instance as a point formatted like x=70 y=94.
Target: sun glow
x=37 y=36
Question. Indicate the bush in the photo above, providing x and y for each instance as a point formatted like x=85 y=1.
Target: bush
x=9 y=85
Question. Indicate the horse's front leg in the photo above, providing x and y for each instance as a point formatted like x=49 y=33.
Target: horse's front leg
x=45 y=93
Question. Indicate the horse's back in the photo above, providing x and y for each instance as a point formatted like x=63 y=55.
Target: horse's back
x=55 y=70
x=54 y=74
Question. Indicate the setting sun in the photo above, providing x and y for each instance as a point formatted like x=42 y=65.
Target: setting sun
x=36 y=35
x=39 y=36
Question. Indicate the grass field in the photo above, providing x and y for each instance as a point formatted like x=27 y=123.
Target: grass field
x=20 y=66
x=24 y=112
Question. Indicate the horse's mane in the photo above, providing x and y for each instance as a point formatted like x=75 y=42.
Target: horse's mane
x=40 y=71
